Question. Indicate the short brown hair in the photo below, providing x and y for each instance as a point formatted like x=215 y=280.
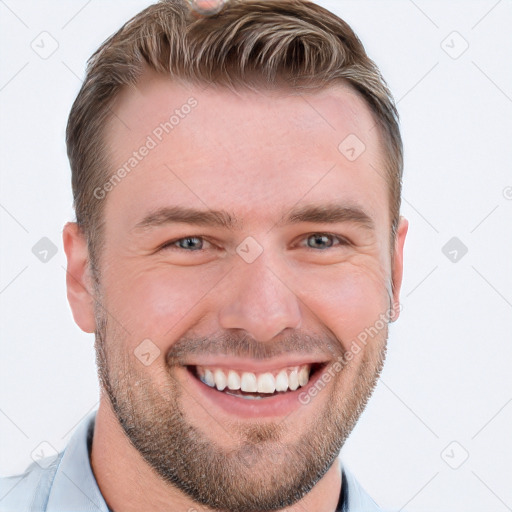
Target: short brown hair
x=294 y=44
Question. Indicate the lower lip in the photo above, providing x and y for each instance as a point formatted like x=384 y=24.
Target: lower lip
x=274 y=406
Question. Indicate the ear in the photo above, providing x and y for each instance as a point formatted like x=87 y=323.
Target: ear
x=398 y=266
x=79 y=282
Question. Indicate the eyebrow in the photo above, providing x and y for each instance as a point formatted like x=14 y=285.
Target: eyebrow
x=330 y=213
x=181 y=214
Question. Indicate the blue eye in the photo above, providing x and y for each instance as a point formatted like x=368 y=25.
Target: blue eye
x=192 y=243
x=323 y=241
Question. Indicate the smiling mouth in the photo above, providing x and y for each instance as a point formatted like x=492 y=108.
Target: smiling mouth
x=254 y=385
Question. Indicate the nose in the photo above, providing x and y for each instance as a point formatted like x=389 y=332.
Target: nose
x=260 y=302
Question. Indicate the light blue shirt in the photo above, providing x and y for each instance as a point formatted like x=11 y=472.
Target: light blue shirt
x=67 y=484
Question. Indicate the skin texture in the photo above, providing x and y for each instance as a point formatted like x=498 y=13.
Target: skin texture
x=159 y=443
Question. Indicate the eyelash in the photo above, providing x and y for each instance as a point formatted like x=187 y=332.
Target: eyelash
x=342 y=241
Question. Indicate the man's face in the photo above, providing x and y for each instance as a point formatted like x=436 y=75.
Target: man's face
x=246 y=249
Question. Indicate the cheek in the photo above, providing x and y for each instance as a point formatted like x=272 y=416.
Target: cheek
x=158 y=303
x=348 y=302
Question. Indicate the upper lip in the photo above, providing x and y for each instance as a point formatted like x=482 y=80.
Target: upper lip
x=255 y=365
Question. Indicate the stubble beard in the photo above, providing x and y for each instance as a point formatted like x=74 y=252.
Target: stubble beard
x=262 y=472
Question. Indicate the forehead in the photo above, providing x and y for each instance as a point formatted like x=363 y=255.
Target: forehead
x=256 y=153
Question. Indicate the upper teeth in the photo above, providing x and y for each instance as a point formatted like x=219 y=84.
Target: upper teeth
x=268 y=382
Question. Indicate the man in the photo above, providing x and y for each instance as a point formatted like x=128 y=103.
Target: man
x=236 y=170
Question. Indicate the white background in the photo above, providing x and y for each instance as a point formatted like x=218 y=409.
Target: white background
x=447 y=376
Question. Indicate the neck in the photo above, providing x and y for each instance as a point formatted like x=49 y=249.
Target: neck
x=126 y=481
